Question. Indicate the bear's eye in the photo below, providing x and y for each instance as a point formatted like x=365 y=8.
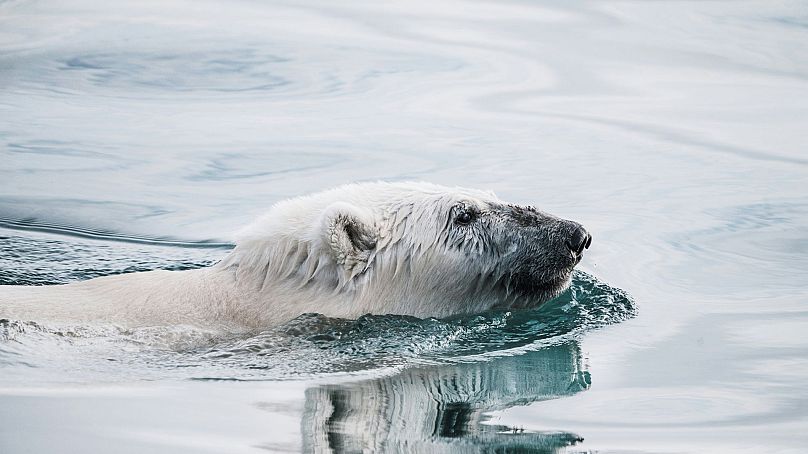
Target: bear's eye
x=465 y=218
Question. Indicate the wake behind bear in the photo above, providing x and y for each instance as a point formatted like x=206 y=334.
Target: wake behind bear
x=372 y=248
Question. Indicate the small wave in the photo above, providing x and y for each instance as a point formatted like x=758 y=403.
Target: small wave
x=313 y=344
x=325 y=344
x=54 y=260
x=36 y=225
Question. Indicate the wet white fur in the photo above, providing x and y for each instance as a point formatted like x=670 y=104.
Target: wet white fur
x=297 y=259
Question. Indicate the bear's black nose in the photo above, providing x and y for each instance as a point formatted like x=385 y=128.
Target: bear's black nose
x=579 y=240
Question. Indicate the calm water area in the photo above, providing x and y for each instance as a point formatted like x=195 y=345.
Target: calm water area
x=137 y=135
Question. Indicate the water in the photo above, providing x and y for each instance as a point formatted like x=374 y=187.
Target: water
x=138 y=135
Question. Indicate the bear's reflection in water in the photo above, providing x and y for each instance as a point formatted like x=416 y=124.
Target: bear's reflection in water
x=443 y=408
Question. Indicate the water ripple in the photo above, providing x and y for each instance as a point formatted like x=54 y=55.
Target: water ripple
x=314 y=344
x=234 y=70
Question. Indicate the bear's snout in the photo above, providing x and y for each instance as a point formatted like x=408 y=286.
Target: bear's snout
x=578 y=238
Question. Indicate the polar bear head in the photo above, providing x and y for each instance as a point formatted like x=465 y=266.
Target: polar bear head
x=404 y=248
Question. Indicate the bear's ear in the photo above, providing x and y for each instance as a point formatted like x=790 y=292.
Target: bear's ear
x=350 y=234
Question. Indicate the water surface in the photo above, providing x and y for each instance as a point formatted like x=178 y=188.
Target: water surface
x=139 y=135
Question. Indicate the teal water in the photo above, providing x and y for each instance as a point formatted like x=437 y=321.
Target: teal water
x=139 y=135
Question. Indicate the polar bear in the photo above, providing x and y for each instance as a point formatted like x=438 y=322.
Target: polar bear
x=408 y=248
